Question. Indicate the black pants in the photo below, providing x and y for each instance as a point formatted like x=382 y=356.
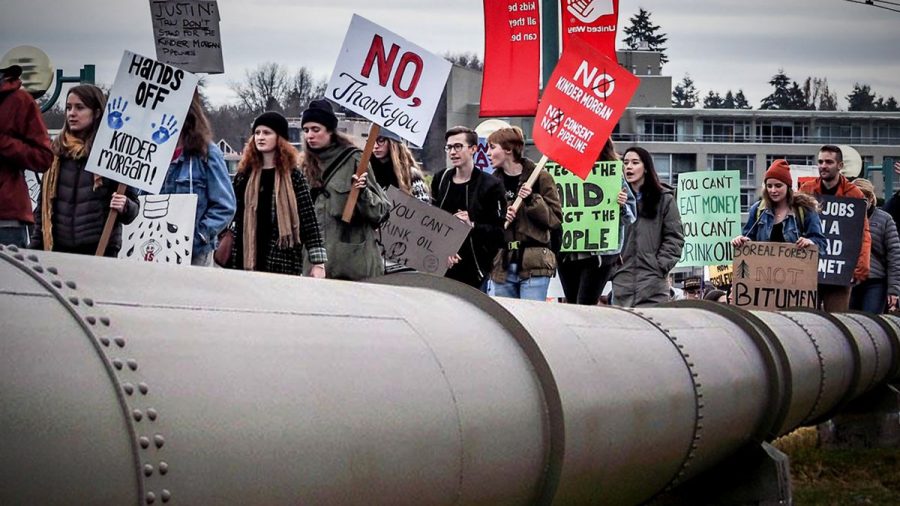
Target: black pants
x=583 y=280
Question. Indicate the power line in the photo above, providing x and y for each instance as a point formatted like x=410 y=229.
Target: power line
x=876 y=3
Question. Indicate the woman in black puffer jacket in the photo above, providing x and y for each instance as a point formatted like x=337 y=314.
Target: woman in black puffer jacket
x=75 y=203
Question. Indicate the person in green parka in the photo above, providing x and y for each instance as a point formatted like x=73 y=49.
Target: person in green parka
x=329 y=162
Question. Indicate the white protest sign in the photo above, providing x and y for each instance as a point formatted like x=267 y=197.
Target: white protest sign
x=187 y=34
x=142 y=122
x=163 y=231
x=388 y=79
x=418 y=235
x=802 y=173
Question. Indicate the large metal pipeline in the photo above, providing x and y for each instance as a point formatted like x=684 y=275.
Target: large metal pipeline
x=132 y=383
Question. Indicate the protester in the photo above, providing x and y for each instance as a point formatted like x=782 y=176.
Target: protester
x=892 y=206
x=523 y=267
x=74 y=203
x=275 y=218
x=475 y=198
x=24 y=145
x=198 y=167
x=330 y=163
x=393 y=165
x=830 y=160
x=653 y=243
x=584 y=274
x=782 y=215
x=716 y=295
x=692 y=288
x=880 y=290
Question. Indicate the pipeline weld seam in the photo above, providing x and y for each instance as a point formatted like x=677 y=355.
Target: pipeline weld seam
x=874 y=346
x=823 y=374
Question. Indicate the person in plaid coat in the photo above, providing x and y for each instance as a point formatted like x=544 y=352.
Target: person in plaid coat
x=275 y=217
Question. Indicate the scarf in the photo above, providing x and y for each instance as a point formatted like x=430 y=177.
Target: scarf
x=285 y=212
x=70 y=147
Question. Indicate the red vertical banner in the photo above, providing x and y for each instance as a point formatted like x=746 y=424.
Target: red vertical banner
x=593 y=21
x=512 y=58
x=583 y=101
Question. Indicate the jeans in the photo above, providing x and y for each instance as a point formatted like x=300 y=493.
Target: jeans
x=870 y=296
x=203 y=259
x=16 y=236
x=533 y=288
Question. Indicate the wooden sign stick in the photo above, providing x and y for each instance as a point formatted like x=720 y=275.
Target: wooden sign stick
x=529 y=183
x=110 y=222
x=360 y=170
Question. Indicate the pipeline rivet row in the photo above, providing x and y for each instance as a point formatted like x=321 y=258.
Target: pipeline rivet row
x=122 y=371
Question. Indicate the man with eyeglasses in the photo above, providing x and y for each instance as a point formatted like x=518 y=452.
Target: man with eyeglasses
x=475 y=198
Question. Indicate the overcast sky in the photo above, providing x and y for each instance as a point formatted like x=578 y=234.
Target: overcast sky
x=733 y=44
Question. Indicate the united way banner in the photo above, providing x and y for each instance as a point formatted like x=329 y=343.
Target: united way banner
x=163 y=231
x=593 y=21
x=512 y=58
x=710 y=205
x=388 y=80
x=142 y=121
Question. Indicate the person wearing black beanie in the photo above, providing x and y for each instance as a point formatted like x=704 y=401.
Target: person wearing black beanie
x=273 y=120
x=329 y=162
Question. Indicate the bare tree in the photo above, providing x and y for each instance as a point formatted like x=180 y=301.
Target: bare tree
x=303 y=88
x=264 y=88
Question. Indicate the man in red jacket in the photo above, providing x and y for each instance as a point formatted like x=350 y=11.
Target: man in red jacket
x=832 y=182
x=24 y=145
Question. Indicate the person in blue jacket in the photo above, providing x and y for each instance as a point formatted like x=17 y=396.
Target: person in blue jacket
x=782 y=215
x=198 y=167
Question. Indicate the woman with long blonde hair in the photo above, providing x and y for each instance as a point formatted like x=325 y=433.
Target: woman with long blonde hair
x=394 y=165
x=275 y=217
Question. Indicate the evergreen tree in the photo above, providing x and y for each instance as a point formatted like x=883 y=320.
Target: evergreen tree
x=643 y=30
x=740 y=101
x=728 y=101
x=712 y=101
x=798 y=99
x=785 y=96
x=891 y=105
x=861 y=98
x=685 y=94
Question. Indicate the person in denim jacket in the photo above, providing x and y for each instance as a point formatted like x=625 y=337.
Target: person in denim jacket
x=198 y=167
x=775 y=217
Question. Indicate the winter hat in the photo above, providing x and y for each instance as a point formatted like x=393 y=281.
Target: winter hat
x=692 y=284
x=387 y=134
x=779 y=170
x=320 y=111
x=274 y=121
x=11 y=71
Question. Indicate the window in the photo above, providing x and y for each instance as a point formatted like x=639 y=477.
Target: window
x=746 y=164
x=782 y=132
x=659 y=130
x=726 y=131
x=886 y=133
x=838 y=133
x=792 y=159
x=668 y=166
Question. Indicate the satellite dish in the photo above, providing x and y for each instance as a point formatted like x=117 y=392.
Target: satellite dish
x=37 y=72
x=853 y=164
x=489 y=126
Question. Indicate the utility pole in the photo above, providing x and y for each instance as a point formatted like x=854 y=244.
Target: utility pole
x=550 y=37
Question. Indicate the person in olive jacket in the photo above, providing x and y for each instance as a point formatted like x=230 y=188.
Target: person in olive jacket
x=653 y=243
x=74 y=203
x=329 y=162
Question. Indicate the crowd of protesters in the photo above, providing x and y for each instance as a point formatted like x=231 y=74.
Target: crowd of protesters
x=283 y=210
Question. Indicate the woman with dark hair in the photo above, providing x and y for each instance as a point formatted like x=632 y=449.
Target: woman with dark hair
x=653 y=243
x=524 y=265
x=330 y=161
x=74 y=203
x=393 y=165
x=583 y=274
x=198 y=167
x=275 y=219
x=782 y=215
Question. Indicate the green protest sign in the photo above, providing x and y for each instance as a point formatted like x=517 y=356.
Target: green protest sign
x=710 y=205
x=589 y=206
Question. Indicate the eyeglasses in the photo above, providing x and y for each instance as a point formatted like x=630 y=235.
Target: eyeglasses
x=455 y=147
x=381 y=140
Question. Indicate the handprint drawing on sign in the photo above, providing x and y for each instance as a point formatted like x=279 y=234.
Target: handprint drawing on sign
x=588 y=11
x=116 y=109
x=166 y=128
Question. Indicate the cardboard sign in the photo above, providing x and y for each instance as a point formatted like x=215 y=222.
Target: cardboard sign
x=143 y=118
x=843 y=221
x=593 y=21
x=801 y=174
x=388 y=79
x=187 y=34
x=720 y=275
x=774 y=276
x=589 y=206
x=163 y=231
x=512 y=58
x=582 y=102
x=420 y=236
x=710 y=207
